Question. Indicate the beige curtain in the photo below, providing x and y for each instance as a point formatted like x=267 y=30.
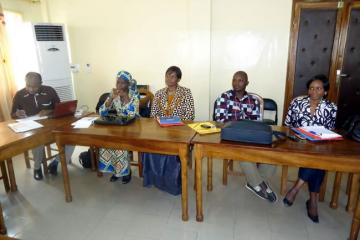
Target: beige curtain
x=7 y=81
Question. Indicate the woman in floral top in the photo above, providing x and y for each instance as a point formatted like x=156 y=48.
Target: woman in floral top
x=124 y=100
x=311 y=110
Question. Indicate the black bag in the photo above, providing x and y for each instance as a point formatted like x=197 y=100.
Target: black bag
x=85 y=159
x=248 y=131
x=351 y=127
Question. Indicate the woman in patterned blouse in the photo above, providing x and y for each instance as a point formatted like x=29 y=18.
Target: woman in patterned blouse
x=124 y=100
x=311 y=110
x=161 y=170
x=173 y=100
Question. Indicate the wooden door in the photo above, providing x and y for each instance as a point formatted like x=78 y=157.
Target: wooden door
x=323 y=41
x=348 y=71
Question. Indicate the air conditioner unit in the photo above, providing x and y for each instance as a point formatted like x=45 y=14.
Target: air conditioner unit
x=52 y=58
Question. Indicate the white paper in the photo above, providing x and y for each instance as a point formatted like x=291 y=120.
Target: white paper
x=32 y=118
x=24 y=126
x=321 y=132
x=84 y=122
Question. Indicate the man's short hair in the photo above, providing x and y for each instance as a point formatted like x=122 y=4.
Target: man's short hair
x=242 y=74
x=33 y=76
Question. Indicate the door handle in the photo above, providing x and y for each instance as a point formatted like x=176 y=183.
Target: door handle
x=340 y=75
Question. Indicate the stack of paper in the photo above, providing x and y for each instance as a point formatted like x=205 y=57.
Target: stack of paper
x=204 y=127
x=84 y=122
x=24 y=126
x=169 y=121
x=317 y=133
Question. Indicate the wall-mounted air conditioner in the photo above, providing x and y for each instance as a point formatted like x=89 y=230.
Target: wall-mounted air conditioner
x=52 y=58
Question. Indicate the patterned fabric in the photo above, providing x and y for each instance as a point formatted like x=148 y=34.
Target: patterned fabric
x=130 y=109
x=113 y=160
x=124 y=75
x=299 y=114
x=231 y=108
x=182 y=105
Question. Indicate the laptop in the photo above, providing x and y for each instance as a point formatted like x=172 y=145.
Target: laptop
x=64 y=109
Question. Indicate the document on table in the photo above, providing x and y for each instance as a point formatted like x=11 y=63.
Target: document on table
x=33 y=118
x=24 y=126
x=84 y=122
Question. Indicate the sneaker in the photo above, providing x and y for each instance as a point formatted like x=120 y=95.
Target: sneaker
x=271 y=196
x=38 y=175
x=114 y=178
x=53 y=167
x=257 y=190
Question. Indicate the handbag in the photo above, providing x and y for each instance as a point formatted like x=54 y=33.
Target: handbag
x=247 y=131
x=351 y=127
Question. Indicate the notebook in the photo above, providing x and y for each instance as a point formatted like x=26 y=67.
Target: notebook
x=169 y=121
x=64 y=109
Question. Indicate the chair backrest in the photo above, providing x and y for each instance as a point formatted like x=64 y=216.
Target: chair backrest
x=270 y=105
x=260 y=99
x=253 y=95
x=146 y=99
x=101 y=101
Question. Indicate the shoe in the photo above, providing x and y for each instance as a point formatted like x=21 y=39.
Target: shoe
x=271 y=196
x=287 y=202
x=38 y=175
x=126 y=179
x=315 y=218
x=114 y=178
x=257 y=190
x=53 y=167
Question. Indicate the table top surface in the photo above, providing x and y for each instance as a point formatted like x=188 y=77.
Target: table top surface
x=8 y=136
x=141 y=129
x=342 y=147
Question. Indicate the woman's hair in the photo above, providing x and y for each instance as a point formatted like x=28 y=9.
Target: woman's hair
x=176 y=70
x=322 y=78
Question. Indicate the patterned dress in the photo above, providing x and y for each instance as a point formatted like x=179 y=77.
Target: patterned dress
x=182 y=105
x=299 y=114
x=231 y=108
x=114 y=160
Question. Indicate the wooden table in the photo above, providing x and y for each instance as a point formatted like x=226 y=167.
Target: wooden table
x=12 y=144
x=143 y=135
x=343 y=156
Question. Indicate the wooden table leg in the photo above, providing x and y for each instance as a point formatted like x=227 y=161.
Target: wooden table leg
x=2 y=222
x=355 y=226
x=27 y=159
x=65 y=173
x=284 y=176
x=336 y=190
x=209 y=174
x=93 y=158
x=323 y=188
x=198 y=179
x=183 y=154
x=225 y=171
x=353 y=193
x=4 y=176
x=12 y=179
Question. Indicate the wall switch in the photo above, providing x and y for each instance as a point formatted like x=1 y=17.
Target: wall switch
x=87 y=67
x=75 y=68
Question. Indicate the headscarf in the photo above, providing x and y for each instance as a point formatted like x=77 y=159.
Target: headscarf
x=132 y=82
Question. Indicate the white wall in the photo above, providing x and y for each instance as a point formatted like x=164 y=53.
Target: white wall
x=29 y=11
x=208 y=39
x=252 y=36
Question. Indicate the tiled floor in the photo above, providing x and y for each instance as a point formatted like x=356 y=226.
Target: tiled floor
x=104 y=210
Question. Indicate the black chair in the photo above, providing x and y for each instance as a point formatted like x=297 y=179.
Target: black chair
x=270 y=105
